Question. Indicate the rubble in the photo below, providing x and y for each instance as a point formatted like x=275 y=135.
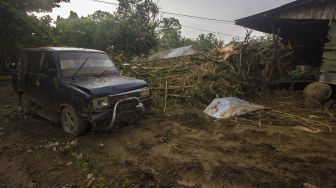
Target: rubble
x=239 y=69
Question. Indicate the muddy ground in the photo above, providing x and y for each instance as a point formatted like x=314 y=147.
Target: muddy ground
x=162 y=150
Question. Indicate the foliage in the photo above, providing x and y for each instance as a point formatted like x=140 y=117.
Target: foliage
x=135 y=32
x=130 y=30
x=105 y=24
x=170 y=33
x=74 y=31
x=21 y=29
x=170 y=36
x=205 y=42
x=134 y=29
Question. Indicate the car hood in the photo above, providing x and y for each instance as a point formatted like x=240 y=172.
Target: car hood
x=103 y=86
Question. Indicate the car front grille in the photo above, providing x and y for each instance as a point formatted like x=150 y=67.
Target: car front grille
x=114 y=99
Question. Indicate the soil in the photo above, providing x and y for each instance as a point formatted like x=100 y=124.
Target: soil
x=160 y=150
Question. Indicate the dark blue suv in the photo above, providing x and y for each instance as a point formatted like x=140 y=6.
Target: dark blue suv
x=80 y=88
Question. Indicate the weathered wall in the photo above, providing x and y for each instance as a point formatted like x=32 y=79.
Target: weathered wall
x=328 y=67
x=318 y=10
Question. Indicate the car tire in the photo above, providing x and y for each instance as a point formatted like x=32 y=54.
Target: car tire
x=25 y=105
x=71 y=123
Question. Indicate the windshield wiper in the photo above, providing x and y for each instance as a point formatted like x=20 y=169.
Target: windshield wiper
x=101 y=74
x=80 y=68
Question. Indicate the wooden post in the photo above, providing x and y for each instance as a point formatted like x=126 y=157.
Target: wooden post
x=166 y=96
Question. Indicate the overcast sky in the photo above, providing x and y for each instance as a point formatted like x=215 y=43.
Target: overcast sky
x=219 y=9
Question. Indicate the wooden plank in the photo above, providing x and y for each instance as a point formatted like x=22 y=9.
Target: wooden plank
x=330 y=47
x=328 y=62
x=328 y=78
x=328 y=67
x=331 y=55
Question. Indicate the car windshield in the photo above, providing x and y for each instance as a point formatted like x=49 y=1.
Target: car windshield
x=96 y=64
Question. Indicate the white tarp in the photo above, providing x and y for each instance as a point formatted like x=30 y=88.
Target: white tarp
x=224 y=108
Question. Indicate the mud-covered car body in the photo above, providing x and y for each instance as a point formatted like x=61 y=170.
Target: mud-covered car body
x=84 y=80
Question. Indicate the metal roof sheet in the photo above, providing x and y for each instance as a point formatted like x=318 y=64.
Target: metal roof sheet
x=178 y=52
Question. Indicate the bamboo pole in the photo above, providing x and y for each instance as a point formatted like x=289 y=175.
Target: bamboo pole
x=166 y=96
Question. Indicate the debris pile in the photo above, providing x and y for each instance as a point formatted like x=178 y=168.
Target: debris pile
x=240 y=69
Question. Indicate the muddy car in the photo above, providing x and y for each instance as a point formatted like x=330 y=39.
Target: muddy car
x=78 y=88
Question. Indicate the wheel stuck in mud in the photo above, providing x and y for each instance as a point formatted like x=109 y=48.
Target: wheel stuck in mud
x=72 y=123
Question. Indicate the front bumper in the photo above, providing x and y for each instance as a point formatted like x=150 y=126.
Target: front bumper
x=125 y=106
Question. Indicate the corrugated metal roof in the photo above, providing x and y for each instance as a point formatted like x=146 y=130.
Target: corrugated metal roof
x=178 y=52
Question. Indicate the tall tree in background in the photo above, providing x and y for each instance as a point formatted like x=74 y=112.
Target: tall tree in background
x=170 y=33
x=19 y=28
x=170 y=36
x=74 y=31
x=137 y=22
x=94 y=31
x=205 y=42
x=106 y=23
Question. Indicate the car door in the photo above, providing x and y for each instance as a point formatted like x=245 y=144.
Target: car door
x=48 y=81
x=31 y=76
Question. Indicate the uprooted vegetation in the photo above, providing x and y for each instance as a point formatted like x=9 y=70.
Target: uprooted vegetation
x=240 y=69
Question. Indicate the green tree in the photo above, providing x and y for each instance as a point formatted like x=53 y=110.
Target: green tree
x=106 y=23
x=170 y=34
x=75 y=31
x=208 y=41
x=20 y=29
x=137 y=22
x=73 y=15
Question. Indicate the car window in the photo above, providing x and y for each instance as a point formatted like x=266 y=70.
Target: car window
x=96 y=63
x=33 y=62
x=48 y=62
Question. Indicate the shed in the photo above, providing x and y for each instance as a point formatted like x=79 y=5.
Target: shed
x=310 y=24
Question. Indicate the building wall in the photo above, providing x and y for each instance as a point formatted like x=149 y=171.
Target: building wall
x=328 y=67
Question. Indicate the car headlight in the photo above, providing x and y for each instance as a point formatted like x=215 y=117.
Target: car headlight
x=145 y=92
x=101 y=102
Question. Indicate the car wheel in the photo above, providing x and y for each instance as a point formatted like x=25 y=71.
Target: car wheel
x=72 y=123
x=25 y=105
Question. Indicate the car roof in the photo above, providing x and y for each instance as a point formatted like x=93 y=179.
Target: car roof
x=62 y=49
